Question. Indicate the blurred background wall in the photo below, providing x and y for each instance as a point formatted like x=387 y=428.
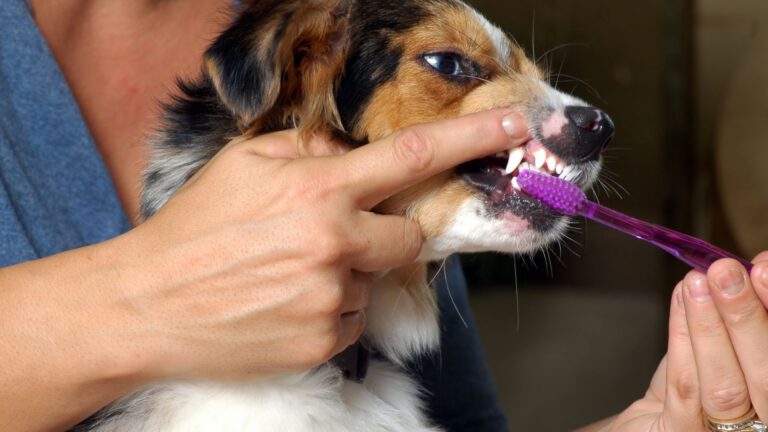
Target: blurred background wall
x=575 y=334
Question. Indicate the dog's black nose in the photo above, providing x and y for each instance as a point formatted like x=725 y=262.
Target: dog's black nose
x=593 y=130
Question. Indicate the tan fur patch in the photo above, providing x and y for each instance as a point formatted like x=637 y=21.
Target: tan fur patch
x=418 y=95
x=432 y=204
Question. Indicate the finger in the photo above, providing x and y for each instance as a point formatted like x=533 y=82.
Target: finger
x=759 y=278
x=385 y=242
x=682 y=399
x=762 y=256
x=357 y=292
x=351 y=328
x=383 y=168
x=724 y=393
x=746 y=321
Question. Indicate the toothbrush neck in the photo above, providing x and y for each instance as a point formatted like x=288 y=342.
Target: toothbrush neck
x=617 y=220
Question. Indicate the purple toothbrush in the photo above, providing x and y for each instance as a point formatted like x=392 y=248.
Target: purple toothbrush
x=566 y=198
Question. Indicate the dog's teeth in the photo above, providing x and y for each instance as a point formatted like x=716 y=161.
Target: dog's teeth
x=515 y=157
x=501 y=154
x=567 y=172
x=559 y=168
x=540 y=157
x=515 y=184
x=551 y=163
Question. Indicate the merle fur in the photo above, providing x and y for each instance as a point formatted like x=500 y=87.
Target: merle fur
x=199 y=122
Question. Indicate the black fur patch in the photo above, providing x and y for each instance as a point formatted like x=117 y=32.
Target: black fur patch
x=246 y=75
x=197 y=113
x=372 y=60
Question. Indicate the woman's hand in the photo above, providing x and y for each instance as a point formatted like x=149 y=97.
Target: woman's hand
x=717 y=359
x=260 y=264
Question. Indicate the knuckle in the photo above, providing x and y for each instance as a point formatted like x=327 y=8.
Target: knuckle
x=412 y=240
x=742 y=316
x=361 y=323
x=328 y=304
x=708 y=326
x=679 y=333
x=687 y=386
x=726 y=397
x=414 y=148
x=310 y=188
x=329 y=247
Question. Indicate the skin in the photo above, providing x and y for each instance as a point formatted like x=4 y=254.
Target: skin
x=235 y=291
x=717 y=359
x=200 y=290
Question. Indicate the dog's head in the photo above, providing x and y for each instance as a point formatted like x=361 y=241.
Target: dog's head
x=359 y=71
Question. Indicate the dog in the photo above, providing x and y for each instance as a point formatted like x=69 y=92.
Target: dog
x=357 y=71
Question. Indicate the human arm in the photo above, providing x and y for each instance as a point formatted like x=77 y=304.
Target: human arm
x=234 y=277
x=717 y=360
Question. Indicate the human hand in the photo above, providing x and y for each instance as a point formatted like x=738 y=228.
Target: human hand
x=717 y=359
x=261 y=263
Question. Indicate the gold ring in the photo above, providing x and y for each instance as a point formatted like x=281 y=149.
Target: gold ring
x=746 y=423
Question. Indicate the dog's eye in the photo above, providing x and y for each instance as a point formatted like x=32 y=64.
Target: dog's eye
x=446 y=64
x=452 y=65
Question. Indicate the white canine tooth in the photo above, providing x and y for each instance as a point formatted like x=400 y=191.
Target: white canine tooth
x=501 y=154
x=559 y=168
x=515 y=157
x=515 y=184
x=551 y=163
x=540 y=157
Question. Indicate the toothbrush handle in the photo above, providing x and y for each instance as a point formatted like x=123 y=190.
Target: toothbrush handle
x=693 y=251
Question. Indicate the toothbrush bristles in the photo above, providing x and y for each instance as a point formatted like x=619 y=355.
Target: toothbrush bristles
x=559 y=195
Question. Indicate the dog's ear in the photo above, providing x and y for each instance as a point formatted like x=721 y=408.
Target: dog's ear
x=279 y=63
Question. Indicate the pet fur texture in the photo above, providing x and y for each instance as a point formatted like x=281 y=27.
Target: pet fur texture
x=357 y=71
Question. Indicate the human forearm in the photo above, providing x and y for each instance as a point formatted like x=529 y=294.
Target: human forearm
x=62 y=360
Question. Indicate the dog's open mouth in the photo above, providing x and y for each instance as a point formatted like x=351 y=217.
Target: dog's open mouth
x=496 y=177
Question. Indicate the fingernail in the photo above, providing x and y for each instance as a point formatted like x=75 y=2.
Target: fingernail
x=697 y=287
x=514 y=125
x=729 y=282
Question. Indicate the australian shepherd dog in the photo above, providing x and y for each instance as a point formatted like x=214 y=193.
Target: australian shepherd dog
x=357 y=71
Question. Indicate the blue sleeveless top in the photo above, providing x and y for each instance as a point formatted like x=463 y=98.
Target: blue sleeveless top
x=55 y=192
x=56 y=195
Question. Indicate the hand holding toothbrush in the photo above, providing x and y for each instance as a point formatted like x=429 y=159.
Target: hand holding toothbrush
x=716 y=367
x=715 y=374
